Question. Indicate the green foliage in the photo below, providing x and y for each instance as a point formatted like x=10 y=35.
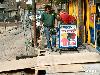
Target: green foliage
x=60 y=1
x=29 y=7
x=55 y=1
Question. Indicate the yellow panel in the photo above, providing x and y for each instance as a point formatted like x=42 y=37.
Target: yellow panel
x=84 y=35
x=87 y=22
x=70 y=8
x=77 y=17
x=84 y=26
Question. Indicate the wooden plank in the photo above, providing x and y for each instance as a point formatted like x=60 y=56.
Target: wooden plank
x=68 y=58
x=62 y=68
x=52 y=60
x=71 y=68
x=17 y=64
x=40 y=51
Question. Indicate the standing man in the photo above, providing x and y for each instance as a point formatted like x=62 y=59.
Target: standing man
x=48 y=19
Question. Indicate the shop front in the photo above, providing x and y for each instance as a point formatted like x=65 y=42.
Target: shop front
x=94 y=23
x=97 y=22
x=84 y=11
x=92 y=27
x=76 y=8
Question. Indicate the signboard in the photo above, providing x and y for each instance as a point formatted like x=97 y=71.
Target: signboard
x=68 y=36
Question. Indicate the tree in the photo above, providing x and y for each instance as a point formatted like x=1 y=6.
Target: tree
x=61 y=1
x=29 y=7
x=23 y=4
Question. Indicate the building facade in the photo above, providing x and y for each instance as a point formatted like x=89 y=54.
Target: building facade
x=2 y=8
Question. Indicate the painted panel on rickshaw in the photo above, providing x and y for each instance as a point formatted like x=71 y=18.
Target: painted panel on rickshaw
x=68 y=36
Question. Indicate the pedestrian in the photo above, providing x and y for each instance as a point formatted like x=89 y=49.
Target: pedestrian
x=48 y=19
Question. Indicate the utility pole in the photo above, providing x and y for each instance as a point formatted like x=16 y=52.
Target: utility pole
x=34 y=22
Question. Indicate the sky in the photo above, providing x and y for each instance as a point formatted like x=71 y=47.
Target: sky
x=28 y=2
x=17 y=0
